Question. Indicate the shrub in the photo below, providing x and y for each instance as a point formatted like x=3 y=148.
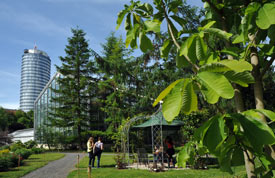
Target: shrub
x=16 y=146
x=9 y=160
x=4 y=147
x=30 y=144
x=38 y=150
x=23 y=152
x=4 y=151
x=5 y=162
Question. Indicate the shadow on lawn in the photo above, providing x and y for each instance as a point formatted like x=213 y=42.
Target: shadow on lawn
x=108 y=166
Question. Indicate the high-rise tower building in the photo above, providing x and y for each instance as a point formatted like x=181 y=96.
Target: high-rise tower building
x=35 y=74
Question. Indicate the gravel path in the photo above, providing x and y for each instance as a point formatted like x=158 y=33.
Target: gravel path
x=57 y=169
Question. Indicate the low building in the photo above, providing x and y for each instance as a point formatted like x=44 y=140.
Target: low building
x=23 y=135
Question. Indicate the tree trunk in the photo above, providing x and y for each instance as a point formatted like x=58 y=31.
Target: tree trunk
x=258 y=89
x=249 y=163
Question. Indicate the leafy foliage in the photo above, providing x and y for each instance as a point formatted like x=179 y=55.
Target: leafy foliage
x=226 y=136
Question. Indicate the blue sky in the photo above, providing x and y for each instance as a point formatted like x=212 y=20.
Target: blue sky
x=47 y=23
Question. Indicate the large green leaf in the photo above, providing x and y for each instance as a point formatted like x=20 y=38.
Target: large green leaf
x=256 y=131
x=215 y=134
x=213 y=57
x=188 y=48
x=186 y=154
x=208 y=25
x=233 y=51
x=120 y=17
x=152 y=25
x=215 y=85
x=241 y=78
x=238 y=39
x=166 y=91
x=181 y=61
x=164 y=50
x=227 y=65
x=127 y=23
x=173 y=102
x=252 y=7
x=218 y=32
x=201 y=131
x=237 y=66
x=201 y=49
x=214 y=67
x=131 y=34
x=265 y=112
x=189 y=99
x=266 y=16
x=145 y=43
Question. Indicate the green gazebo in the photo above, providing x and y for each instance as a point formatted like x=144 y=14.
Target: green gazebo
x=156 y=122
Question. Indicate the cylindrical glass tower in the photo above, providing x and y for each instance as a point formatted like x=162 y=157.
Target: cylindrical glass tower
x=35 y=74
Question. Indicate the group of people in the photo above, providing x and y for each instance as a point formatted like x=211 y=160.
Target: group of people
x=94 y=149
x=169 y=152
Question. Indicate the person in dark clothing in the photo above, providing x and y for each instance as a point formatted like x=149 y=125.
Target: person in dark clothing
x=98 y=151
x=170 y=150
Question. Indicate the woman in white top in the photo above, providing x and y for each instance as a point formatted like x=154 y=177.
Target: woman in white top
x=98 y=150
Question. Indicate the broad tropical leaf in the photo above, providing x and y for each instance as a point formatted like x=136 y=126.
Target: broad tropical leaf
x=152 y=25
x=238 y=39
x=189 y=99
x=257 y=132
x=181 y=61
x=131 y=35
x=188 y=48
x=120 y=17
x=227 y=65
x=265 y=112
x=165 y=49
x=201 y=49
x=218 y=32
x=145 y=43
x=215 y=134
x=215 y=85
x=241 y=78
x=208 y=25
x=173 y=102
x=186 y=154
x=237 y=66
x=231 y=51
x=166 y=91
x=266 y=16
x=201 y=131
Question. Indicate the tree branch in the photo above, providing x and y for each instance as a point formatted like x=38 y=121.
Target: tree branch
x=174 y=39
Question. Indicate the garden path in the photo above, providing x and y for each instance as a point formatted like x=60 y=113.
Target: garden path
x=57 y=169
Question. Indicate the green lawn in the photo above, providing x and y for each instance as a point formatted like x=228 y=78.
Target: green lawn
x=108 y=170
x=35 y=161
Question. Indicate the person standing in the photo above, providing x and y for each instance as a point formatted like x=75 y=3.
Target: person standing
x=98 y=150
x=90 y=150
x=170 y=150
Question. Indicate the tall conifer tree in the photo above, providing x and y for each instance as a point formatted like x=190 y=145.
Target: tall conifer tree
x=72 y=92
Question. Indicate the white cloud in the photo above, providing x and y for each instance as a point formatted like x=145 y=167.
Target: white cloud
x=32 y=21
x=10 y=105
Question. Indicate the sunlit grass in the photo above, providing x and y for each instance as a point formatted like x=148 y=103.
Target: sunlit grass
x=34 y=162
x=108 y=170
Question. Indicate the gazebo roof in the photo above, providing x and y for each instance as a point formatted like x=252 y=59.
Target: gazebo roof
x=158 y=119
